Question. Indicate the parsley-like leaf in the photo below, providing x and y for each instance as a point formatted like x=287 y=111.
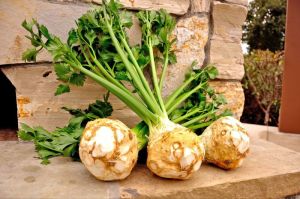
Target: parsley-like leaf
x=62 y=88
x=29 y=54
x=77 y=79
x=62 y=71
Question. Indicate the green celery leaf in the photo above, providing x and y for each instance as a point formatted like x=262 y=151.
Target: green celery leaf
x=26 y=136
x=26 y=128
x=27 y=25
x=34 y=42
x=62 y=88
x=117 y=58
x=45 y=31
x=47 y=145
x=126 y=19
x=45 y=161
x=62 y=142
x=155 y=40
x=177 y=113
x=143 y=60
x=105 y=41
x=72 y=38
x=121 y=75
x=172 y=58
x=42 y=134
x=44 y=153
x=77 y=79
x=30 y=54
x=76 y=122
x=77 y=132
x=62 y=71
x=210 y=91
x=212 y=72
x=136 y=51
x=75 y=112
x=70 y=150
x=91 y=36
x=114 y=6
x=120 y=66
x=104 y=109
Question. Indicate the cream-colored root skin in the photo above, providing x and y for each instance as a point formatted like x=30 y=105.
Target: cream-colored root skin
x=108 y=149
x=175 y=154
x=226 y=143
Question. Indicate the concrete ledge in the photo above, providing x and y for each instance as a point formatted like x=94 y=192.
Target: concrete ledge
x=270 y=171
x=272 y=134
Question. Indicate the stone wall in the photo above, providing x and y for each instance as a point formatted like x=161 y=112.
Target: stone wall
x=207 y=31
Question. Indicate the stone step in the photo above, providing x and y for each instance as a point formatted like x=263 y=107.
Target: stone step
x=273 y=134
x=270 y=171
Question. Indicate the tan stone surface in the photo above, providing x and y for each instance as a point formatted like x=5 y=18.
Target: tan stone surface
x=59 y=18
x=38 y=106
x=225 y=49
x=228 y=58
x=228 y=20
x=178 y=7
x=288 y=140
x=270 y=171
x=234 y=94
x=272 y=134
x=256 y=131
x=240 y=2
x=192 y=36
x=200 y=6
x=134 y=33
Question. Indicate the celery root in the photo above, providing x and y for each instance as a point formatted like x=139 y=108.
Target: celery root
x=226 y=143
x=108 y=149
x=174 y=153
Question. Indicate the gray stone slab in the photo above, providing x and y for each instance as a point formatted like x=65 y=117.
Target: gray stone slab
x=270 y=171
